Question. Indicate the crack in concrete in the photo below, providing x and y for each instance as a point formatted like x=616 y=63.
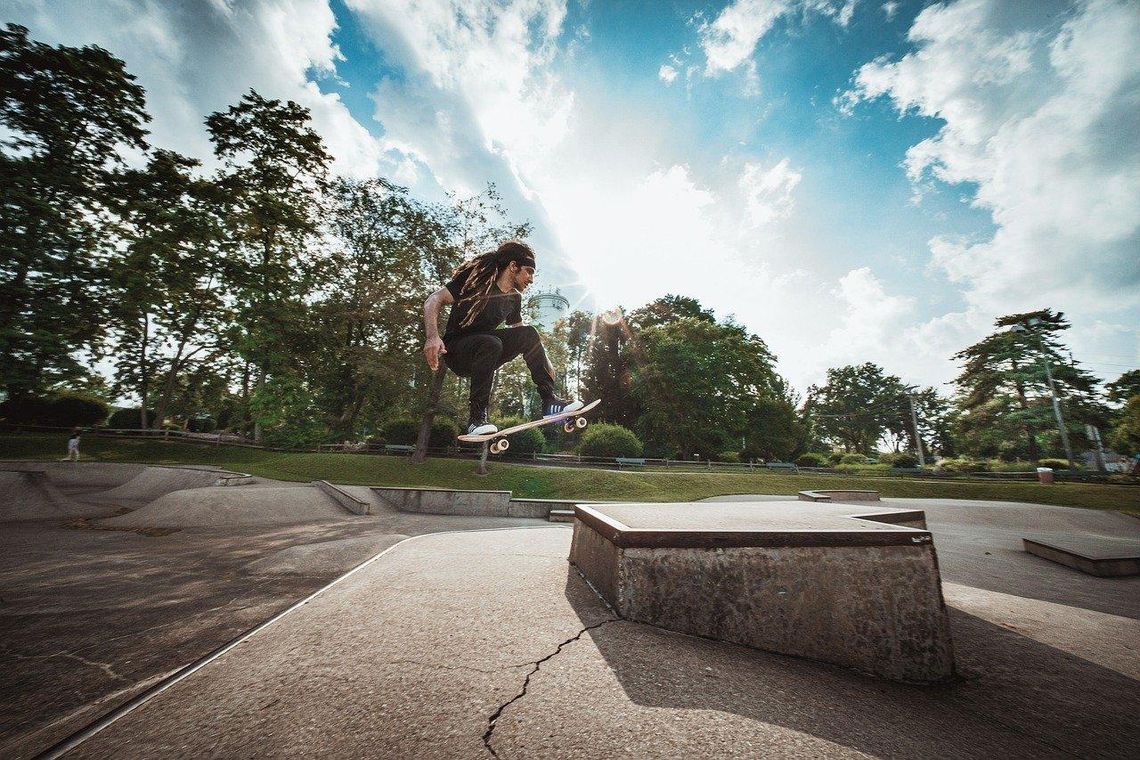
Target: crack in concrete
x=106 y=667
x=494 y=719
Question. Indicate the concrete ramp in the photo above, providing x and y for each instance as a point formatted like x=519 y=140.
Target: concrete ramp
x=29 y=495
x=154 y=482
x=80 y=477
x=220 y=506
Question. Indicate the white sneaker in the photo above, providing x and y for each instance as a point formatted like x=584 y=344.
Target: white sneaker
x=560 y=406
x=484 y=429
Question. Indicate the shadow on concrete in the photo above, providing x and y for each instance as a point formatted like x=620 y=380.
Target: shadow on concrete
x=1015 y=696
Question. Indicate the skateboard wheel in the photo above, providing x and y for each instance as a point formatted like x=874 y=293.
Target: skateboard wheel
x=504 y=445
x=581 y=422
x=494 y=448
x=568 y=427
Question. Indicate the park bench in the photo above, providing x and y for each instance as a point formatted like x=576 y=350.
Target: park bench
x=629 y=461
x=401 y=448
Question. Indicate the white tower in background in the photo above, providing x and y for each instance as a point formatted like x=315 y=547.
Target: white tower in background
x=547 y=307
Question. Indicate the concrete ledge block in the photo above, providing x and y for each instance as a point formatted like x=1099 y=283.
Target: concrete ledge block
x=1095 y=555
x=834 y=495
x=869 y=599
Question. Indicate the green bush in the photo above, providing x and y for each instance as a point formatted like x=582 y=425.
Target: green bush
x=300 y=434
x=1010 y=452
x=963 y=466
x=400 y=432
x=58 y=410
x=853 y=459
x=812 y=459
x=728 y=456
x=128 y=419
x=526 y=441
x=443 y=432
x=835 y=457
x=900 y=459
x=603 y=439
x=1056 y=464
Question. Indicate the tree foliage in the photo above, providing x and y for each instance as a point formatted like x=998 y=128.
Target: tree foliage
x=703 y=386
x=66 y=114
x=1004 y=386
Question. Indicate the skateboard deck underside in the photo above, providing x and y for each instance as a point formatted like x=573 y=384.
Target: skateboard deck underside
x=527 y=425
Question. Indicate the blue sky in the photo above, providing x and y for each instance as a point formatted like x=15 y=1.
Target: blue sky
x=854 y=181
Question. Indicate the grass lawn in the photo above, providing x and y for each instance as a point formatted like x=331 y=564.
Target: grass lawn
x=587 y=484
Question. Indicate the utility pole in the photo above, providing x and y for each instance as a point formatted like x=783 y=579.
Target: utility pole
x=1093 y=433
x=917 y=437
x=1057 y=412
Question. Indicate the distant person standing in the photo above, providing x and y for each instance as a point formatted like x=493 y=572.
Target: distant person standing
x=72 y=447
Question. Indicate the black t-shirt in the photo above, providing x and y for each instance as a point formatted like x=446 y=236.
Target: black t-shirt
x=500 y=307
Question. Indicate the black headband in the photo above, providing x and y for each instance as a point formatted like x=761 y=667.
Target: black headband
x=522 y=257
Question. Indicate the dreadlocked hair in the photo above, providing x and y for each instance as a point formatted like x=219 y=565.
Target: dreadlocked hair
x=482 y=272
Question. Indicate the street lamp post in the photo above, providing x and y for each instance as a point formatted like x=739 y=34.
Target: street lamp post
x=914 y=423
x=1052 y=390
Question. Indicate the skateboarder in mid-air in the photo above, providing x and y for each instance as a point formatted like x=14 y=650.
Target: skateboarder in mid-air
x=486 y=291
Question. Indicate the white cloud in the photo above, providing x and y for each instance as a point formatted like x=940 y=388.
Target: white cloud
x=730 y=39
x=889 y=9
x=1041 y=125
x=870 y=318
x=768 y=192
x=667 y=73
x=195 y=58
x=476 y=100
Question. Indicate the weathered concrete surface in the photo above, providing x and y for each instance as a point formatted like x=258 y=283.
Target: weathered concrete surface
x=1095 y=555
x=452 y=645
x=406 y=658
x=29 y=495
x=90 y=618
x=789 y=578
x=226 y=506
x=435 y=501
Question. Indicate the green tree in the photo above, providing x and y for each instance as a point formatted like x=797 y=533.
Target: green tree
x=579 y=330
x=1004 y=386
x=608 y=373
x=370 y=314
x=169 y=307
x=1124 y=387
x=67 y=115
x=1125 y=435
x=667 y=309
x=703 y=385
x=274 y=176
x=857 y=405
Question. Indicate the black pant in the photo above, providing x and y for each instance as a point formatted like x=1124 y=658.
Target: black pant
x=478 y=355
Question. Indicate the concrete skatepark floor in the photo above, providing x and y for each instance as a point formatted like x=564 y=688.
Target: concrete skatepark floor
x=478 y=642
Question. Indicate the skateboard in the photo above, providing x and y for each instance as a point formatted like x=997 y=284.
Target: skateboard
x=570 y=421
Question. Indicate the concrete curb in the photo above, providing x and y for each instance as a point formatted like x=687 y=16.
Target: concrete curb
x=343 y=499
